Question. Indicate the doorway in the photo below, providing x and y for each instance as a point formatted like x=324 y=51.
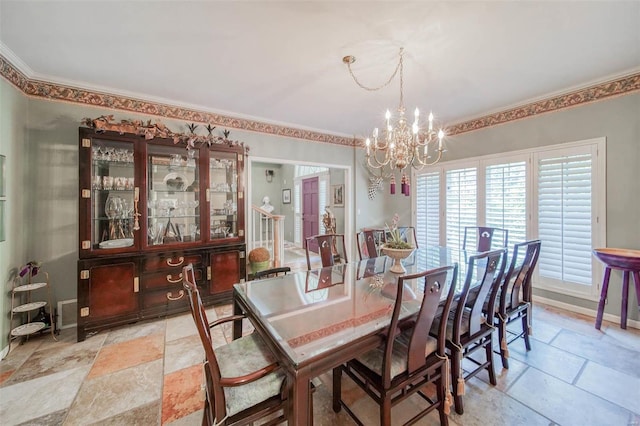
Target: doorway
x=310 y=211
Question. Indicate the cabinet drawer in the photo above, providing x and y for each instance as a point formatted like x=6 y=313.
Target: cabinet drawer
x=163 y=262
x=171 y=298
x=168 y=279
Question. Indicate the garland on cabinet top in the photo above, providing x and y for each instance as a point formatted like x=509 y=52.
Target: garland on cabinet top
x=158 y=130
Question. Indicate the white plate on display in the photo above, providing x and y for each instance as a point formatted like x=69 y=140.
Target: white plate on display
x=28 y=328
x=122 y=242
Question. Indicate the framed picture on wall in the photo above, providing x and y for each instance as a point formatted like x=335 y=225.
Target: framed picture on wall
x=337 y=195
x=286 y=196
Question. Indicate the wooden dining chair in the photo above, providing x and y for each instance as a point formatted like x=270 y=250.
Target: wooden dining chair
x=514 y=301
x=328 y=249
x=243 y=381
x=369 y=242
x=481 y=238
x=272 y=272
x=409 y=358
x=469 y=329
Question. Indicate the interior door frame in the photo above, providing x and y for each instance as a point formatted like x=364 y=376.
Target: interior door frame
x=348 y=192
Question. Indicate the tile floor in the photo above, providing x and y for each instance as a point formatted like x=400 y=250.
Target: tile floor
x=149 y=374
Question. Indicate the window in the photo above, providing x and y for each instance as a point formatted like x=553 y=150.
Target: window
x=461 y=208
x=554 y=193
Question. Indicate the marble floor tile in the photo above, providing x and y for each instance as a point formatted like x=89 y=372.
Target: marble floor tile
x=134 y=331
x=568 y=320
x=182 y=393
x=128 y=354
x=182 y=353
x=145 y=415
x=484 y=405
x=543 y=331
x=180 y=326
x=112 y=394
x=629 y=338
x=193 y=419
x=504 y=376
x=549 y=359
x=40 y=397
x=564 y=404
x=603 y=352
x=66 y=356
x=612 y=385
x=55 y=418
x=18 y=355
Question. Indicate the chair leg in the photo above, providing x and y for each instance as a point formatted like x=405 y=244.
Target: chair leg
x=489 y=351
x=502 y=340
x=456 y=373
x=310 y=419
x=385 y=411
x=525 y=328
x=337 y=388
x=442 y=394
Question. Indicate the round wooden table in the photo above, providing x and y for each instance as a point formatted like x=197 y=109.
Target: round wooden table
x=627 y=261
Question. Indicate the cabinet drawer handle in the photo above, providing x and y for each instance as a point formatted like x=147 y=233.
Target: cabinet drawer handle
x=180 y=260
x=172 y=281
x=170 y=295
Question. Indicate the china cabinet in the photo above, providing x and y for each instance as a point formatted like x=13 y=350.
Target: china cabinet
x=147 y=208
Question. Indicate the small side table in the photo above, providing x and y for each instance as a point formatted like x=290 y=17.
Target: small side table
x=627 y=261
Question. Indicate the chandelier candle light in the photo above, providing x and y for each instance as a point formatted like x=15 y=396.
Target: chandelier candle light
x=400 y=145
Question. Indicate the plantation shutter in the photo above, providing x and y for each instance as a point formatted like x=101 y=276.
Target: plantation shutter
x=428 y=209
x=461 y=200
x=506 y=199
x=565 y=217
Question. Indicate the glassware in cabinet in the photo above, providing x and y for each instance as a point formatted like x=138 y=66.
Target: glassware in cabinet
x=223 y=195
x=173 y=195
x=113 y=194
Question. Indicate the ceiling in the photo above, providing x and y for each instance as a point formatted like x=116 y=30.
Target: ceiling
x=281 y=62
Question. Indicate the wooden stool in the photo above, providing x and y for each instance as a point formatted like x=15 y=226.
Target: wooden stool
x=627 y=261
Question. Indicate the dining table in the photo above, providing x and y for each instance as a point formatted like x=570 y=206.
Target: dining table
x=316 y=320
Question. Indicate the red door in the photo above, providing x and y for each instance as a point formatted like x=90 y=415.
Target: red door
x=310 y=210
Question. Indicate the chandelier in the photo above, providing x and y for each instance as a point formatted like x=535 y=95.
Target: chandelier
x=399 y=145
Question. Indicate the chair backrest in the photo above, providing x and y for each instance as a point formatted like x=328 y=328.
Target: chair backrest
x=483 y=280
x=436 y=281
x=483 y=237
x=369 y=242
x=270 y=273
x=327 y=248
x=212 y=370
x=517 y=280
x=408 y=234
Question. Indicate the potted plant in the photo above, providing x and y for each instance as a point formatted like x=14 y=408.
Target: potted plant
x=259 y=259
x=396 y=247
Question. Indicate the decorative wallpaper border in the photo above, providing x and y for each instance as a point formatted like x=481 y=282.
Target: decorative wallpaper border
x=42 y=89
x=594 y=93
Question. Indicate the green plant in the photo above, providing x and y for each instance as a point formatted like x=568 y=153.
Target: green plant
x=394 y=238
x=259 y=254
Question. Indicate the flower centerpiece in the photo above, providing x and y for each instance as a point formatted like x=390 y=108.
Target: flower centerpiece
x=32 y=267
x=396 y=247
x=259 y=259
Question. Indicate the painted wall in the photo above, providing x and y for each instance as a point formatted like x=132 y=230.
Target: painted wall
x=52 y=153
x=14 y=114
x=618 y=120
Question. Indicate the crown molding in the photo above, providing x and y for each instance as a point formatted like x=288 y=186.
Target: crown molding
x=14 y=70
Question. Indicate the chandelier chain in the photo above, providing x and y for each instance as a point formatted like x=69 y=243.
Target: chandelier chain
x=386 y=83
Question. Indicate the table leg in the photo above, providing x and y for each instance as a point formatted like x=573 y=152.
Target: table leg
x=625 y=299
x=603 y=297
x=636 y=279
x=237 y=325
x=299 y=402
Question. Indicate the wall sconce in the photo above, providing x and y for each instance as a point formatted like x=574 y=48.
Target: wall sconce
x=269 y=175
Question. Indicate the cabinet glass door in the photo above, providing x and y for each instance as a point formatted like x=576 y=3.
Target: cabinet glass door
x=173 y=196
x=223 y=195
x=113 y=193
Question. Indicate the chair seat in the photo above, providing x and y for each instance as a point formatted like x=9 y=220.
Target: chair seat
x=374 y=358
x=464 y=324
x=244 y=356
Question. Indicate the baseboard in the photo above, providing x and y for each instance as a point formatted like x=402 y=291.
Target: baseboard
x=585 y=311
